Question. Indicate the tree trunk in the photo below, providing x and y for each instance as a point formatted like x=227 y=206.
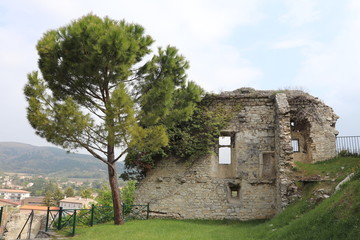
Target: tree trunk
x=115 y=191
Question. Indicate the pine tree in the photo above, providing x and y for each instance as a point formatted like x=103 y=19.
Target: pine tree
x=97 y=93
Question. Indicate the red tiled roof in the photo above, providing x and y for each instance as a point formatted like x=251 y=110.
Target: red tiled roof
x=39 y=208
x=10 y=202
x=13 y=191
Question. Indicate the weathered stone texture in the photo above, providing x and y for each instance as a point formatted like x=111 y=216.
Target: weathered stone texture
x=256 y=184
x=314 y=125
x=177 y=191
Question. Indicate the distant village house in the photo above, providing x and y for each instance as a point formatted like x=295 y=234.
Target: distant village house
x=76 y=203
x=34 y=201
x=15 y=195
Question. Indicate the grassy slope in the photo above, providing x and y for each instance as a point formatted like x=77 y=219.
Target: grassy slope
x=335 y=218
x=336 y=168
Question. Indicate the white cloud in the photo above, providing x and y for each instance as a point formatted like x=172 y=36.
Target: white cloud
x=201 y=19
x=237 y=77
x=214 y=20
x=334 y=70
x=58 y=10
x=295 y=42
x=300 y=12
x=14 y=49
x=223 y=68
x=200 y=29
x=289 y=44
x=337 y=62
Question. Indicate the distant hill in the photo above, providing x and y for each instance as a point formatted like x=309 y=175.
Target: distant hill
x=24 y=158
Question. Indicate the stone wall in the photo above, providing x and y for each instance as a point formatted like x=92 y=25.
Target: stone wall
x=283 y=153
x=314 y=125
x=256 y=183
x=16 y=223
x=179 y=191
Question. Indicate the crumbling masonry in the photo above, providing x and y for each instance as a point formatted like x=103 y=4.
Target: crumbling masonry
x=246 y=177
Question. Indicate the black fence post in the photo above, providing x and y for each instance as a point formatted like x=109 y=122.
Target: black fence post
x=147 y=210
x=47 y=219
x=60 y=218
x=74 y=223
x=92 y=215
x=1 y=213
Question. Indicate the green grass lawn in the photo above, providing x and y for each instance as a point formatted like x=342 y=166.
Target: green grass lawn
x=336 y=218
x=156 y=229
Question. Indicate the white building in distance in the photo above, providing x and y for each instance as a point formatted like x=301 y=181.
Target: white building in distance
x=15 y=195
x=76 y=203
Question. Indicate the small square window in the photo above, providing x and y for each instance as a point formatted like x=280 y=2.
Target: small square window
x=225 y=140
x=234 y=193
x=295 y=145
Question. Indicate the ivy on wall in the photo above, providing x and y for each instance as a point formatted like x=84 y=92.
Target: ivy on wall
x=188 y=140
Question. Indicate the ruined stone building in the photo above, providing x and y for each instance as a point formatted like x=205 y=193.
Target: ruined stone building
x=246 y=177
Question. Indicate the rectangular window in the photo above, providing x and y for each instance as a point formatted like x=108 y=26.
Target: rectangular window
x=295 y=145
x=224 y=150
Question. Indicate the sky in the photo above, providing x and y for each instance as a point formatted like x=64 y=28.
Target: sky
x=312 y=45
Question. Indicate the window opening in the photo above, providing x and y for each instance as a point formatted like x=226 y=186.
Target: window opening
x=234 y=190
x=234 y=193
x=295 y=145
x=224 y=150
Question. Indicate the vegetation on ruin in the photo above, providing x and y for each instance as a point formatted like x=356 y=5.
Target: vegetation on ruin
x=195 y=138
x=189 y=140
x=337 y=217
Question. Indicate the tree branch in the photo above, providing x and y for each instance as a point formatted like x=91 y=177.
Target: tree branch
x=120 y=155
x=96 y=155
x=91 y=151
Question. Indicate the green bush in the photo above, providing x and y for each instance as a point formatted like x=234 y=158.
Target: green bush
x=346 y=153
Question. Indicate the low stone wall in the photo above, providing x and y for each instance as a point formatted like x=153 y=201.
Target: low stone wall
x=16 y=222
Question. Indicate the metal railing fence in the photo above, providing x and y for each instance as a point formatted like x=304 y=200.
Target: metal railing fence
x=29 y=222
x=348 y=145
x=67 y=220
